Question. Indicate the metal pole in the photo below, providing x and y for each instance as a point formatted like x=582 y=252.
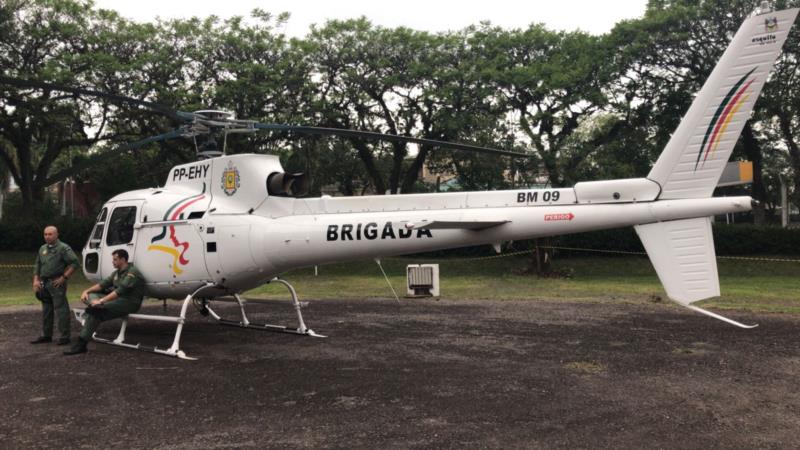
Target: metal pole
x=64 y=198
x=784 y=201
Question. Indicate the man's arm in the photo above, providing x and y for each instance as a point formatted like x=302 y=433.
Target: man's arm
x=105 y=299
x=72 y=265
x=103 y=285
x=37 y=283
x=85 y=294
x=125 y=286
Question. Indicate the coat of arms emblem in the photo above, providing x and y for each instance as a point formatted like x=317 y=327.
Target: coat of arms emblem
x=230 y=180
x=770 y=24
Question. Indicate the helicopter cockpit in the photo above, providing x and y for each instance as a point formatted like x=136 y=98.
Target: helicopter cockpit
x=111 y=232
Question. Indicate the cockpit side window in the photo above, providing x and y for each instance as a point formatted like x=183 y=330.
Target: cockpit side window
x=120 y=226
x=97 y=233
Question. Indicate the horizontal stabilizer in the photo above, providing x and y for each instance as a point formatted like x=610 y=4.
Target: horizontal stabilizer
x=682 y=252
x=475 y=225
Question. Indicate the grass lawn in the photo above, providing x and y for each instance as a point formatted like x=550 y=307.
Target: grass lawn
x=747 y=285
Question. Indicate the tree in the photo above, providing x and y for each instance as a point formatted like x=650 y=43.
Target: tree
x=781 y=100
x=53 y=41
x=456 y=102
x=668 y=55
x=551 y=82
x=399 y=82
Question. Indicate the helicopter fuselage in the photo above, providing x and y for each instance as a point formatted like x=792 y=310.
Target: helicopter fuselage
x=215 y=221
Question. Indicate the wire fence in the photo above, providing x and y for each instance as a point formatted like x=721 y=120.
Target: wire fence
x=525 y=252
x=595 y=250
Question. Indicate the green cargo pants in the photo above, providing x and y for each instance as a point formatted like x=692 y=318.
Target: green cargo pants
x=56 y=306
x=111 y=310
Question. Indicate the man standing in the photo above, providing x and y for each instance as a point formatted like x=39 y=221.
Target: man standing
x=125 y=298
x=54 y=264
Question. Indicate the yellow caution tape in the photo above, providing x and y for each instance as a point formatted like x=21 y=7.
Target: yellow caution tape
x=524 y=252
x=617 y=252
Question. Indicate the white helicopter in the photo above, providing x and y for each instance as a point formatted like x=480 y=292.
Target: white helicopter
x=229 y=223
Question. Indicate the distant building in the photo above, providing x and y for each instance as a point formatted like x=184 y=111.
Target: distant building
x=76 y=199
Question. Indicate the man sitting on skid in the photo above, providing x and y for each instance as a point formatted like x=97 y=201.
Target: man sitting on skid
x=104 y=304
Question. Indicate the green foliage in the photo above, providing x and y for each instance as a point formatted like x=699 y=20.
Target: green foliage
x=58 y=41
x=26 y=235
x=14 y=208
x=752 y=239
x=585 y=107
x=667 y=56
x=729 y=240
x=619 y=240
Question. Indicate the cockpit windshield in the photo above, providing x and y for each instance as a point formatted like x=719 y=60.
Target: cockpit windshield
x=120 y=228
x=97 y=233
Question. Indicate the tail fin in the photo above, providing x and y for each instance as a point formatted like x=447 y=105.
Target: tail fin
x=682 y=252
x=693 y=160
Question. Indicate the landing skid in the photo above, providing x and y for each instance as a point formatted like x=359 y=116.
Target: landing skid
x=722 y=318
x=302 y=329
x=174 y=350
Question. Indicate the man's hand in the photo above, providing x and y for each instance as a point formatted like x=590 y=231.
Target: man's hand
x=36 y=286
x=85 y=296
x=96 y=303
x=58 y=282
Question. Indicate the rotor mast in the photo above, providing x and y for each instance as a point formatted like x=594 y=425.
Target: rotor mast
x=210 y=122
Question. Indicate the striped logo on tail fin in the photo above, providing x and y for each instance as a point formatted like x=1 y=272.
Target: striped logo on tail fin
x=726 y=110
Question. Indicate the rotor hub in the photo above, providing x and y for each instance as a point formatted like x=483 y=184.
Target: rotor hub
x=215 y=114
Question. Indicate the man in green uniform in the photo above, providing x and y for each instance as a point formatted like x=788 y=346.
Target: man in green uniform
x=105 y=304
x=54 y=264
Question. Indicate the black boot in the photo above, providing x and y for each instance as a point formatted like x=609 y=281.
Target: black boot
x=42 y=340
x=79 y=347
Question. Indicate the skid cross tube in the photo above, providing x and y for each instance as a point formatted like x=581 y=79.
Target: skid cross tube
x=174 y=350
x=301 y=329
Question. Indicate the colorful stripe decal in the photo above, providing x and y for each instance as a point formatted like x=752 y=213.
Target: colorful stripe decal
x=721 y=114
x=174 y=238
x=170 y=251
x=177 y=252
x=733 y=105
x=166 y=215
x=727 y=121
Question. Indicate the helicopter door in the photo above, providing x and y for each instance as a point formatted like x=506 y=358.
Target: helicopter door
x=120 y=234
x=91 y=251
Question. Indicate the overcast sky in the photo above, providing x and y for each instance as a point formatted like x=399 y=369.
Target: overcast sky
x=593 y=16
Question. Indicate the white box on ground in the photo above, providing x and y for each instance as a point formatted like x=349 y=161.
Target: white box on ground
x=422 y=280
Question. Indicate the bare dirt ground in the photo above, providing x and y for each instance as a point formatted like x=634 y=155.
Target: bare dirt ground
x=423 y=374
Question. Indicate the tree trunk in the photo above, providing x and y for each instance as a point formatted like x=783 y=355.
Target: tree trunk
x=399 y=154
x=369 y=163
x=412 y=174
x=542 y=256
x=753 y=151
x=794 y=151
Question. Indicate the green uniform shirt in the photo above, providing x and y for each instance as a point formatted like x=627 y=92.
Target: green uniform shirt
x=52 y=260
x=128 y=284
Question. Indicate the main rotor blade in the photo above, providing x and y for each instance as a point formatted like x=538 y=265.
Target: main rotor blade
x=169 y=112
x=94 y=159
x=384 y=137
